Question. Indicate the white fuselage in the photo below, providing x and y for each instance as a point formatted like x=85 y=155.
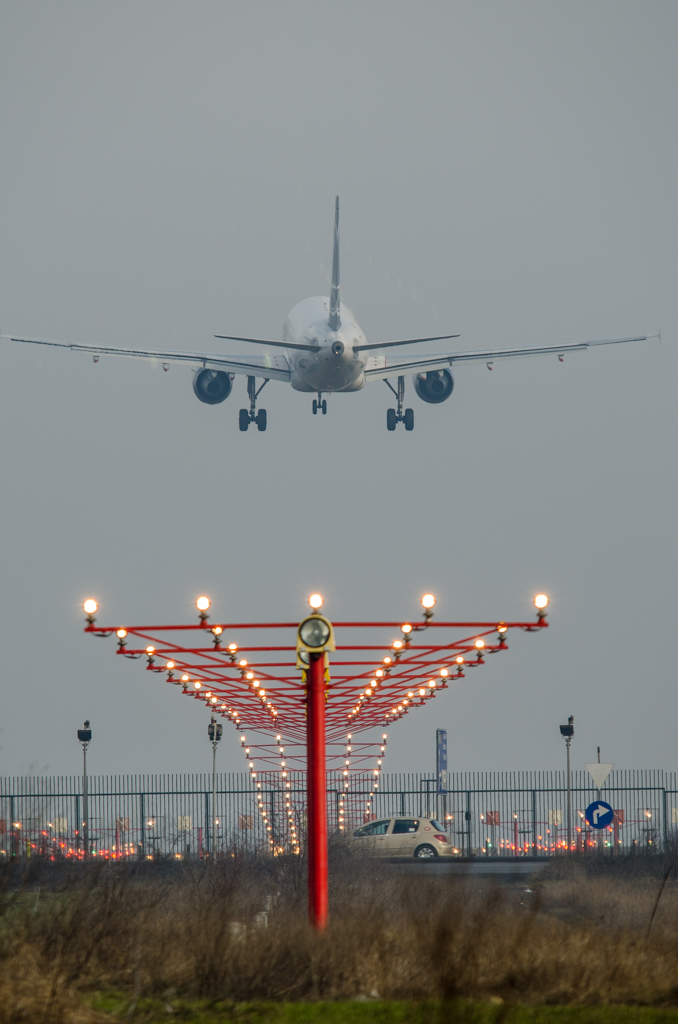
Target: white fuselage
x=335 y=366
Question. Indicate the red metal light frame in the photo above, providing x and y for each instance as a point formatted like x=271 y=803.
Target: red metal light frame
x=283 y=709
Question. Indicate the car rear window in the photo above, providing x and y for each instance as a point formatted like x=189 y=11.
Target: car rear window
x=405 y=825
x=437 y=826
x=375 y=828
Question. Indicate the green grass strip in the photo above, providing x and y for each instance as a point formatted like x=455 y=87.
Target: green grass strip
x=153 y=1011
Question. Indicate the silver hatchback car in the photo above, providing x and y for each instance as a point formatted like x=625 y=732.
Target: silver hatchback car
x=424 y=838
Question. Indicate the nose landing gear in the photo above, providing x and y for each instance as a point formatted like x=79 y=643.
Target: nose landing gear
x=250 y=415
x=394 y=416
x=319 y=404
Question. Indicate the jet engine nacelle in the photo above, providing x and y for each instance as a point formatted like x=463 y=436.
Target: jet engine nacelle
x=434 y=386
x=212 y=386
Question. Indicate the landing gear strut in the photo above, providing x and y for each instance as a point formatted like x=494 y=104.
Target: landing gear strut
x=251 y=416
x=399 y=415
x=321 y=404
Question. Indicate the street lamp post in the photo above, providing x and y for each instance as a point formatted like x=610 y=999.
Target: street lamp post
x=567 y=731
x=85 y=736
x=214 y=731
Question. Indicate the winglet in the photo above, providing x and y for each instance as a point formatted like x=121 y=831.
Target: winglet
x=335 y=304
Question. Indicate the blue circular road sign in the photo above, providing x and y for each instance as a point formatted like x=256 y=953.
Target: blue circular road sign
x=599 y=814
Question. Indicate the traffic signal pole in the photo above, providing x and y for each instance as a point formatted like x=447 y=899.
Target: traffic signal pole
x=317 y=800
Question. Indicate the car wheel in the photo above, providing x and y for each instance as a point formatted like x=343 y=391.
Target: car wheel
x=244 y=419
x=390 y=419
x=425 y=852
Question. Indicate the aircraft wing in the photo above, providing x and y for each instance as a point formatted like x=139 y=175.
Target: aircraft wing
x=274 y=367
x=380 y=367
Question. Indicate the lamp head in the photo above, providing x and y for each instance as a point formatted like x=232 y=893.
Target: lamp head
x=90 y=606
x=315 y=634
x=568 y=730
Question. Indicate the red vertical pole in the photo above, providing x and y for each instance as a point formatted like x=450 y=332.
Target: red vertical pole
x=317 y=800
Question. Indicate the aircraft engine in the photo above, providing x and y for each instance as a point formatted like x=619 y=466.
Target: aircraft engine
x=212 y=386
x=434 y=386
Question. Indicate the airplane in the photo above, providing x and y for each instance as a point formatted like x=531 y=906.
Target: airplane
x=323 y=351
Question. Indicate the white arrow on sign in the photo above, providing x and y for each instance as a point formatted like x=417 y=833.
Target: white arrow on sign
x=599 y=773
x=599 y=812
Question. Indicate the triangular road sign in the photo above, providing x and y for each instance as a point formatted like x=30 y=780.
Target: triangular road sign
x=599 y=773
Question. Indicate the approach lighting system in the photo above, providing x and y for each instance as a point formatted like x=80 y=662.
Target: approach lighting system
x=304 y=710
x=315 y=601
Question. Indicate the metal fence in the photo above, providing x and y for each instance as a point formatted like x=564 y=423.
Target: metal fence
x=486 y=813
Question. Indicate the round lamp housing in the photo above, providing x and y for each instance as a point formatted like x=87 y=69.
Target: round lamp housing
x=315 y=632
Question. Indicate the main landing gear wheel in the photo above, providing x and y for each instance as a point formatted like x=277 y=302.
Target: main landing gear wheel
x=396 y=416
x=323 y=406
x=315 y=407
x=251 y=415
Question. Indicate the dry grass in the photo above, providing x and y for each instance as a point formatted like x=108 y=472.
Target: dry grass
x=237 y=931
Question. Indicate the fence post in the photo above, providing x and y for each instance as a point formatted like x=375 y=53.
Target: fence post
x=534 y=823
x=468 y=822
x=142 y=800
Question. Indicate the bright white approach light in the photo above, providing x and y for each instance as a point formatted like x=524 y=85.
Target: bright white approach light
x=541 y=600
x=90 y=606
x=202 y=604
x=428 y=600
x=315 y=601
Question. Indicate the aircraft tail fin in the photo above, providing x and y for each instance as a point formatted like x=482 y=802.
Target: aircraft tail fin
x=335 y=303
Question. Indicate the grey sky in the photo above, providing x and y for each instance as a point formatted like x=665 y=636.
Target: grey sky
x=505 y=170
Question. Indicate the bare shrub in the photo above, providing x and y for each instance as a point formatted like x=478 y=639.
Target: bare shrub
x=237 y=930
